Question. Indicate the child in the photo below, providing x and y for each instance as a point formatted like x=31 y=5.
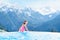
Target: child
x=24 y=27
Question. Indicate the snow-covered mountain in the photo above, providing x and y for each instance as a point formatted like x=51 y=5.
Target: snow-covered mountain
x=12 y=18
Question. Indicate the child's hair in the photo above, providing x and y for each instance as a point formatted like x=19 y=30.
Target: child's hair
x=24 y=22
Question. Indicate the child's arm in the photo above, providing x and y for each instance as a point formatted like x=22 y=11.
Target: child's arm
x=26 y=28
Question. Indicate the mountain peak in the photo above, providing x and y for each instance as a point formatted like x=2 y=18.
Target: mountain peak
x=46 y=10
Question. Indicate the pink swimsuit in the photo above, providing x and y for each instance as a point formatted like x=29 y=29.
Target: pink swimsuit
x=22 y=29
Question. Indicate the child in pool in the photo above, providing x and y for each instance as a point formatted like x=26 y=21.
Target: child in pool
x=24 y=27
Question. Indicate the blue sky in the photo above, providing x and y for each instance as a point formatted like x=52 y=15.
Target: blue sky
x=39 y=5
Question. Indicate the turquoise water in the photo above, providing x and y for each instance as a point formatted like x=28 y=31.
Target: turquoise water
x=29 y=36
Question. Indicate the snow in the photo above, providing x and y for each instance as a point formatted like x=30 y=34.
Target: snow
x=11 y=10
x=28 y=13
x=29 y=36
x=3 y=9
x=50 y=15
x=46 y=10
